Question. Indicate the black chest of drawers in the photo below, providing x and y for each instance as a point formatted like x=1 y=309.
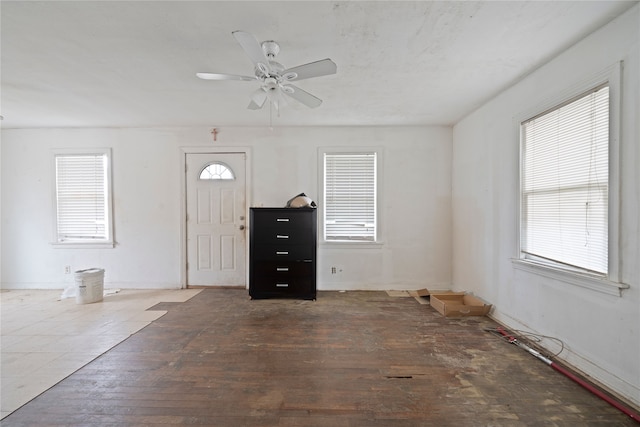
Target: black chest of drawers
x=282 y=253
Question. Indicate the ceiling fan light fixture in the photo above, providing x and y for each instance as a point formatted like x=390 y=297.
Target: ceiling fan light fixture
x=262 y=67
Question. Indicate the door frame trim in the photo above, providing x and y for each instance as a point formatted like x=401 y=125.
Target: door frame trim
x=184 y=151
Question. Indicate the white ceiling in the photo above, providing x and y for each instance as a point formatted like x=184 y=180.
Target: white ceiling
x=133 y=63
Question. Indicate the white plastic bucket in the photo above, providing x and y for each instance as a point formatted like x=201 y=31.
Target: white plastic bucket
x=89 y=285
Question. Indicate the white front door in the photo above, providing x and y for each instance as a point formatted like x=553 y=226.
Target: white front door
x=216 y=223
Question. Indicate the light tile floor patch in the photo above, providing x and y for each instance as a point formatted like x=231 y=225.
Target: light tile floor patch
x=44 y=338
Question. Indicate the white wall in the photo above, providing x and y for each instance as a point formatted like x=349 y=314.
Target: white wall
x=601 y=332
x=416 y=209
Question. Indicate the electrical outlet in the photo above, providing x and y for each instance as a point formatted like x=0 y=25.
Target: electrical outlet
x=333 y=270
x=67 y=269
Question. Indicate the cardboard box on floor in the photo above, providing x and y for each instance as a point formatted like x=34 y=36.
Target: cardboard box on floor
x=422 y=295
x=450 y=303
x=458 y=305
x=424 y=292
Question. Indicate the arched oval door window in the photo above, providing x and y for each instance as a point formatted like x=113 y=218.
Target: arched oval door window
x=217 y=171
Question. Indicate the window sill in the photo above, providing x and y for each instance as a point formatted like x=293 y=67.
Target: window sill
x=83 y=245
x=593 y=282
x=351 y=244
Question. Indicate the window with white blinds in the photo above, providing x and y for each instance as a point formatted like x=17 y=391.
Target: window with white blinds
x=565 y=184
x=350 y=196
x=82 y=197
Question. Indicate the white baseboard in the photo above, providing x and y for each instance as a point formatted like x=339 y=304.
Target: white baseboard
x=617 y=386
x=107 y=285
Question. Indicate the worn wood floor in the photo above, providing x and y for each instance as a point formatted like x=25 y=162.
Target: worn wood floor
x=347 y=359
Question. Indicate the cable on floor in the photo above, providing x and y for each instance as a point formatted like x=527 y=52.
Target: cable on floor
x=529 y=337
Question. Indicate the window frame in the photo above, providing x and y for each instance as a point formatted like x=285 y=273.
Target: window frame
x=609 y=283
x=379 y=229
x=107 y=242
x=553 y=189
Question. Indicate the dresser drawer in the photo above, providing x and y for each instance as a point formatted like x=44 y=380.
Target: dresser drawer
x=283 y=270
x=271 y=286
x=283 y=236
x=281 y=219
x=282 y=252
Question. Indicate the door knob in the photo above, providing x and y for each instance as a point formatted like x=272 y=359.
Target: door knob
x=241 y=227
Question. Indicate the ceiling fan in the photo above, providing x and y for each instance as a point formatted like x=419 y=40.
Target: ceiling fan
x=273 y=77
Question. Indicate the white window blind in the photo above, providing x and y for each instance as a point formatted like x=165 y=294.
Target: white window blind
x=350 y=196
x=565 y=184
x=82 y=197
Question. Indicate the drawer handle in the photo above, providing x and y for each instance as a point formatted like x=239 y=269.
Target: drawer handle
x=281 y=236
x=282 y=268
x=282 y=219
x=282 y=252
x=282 y=285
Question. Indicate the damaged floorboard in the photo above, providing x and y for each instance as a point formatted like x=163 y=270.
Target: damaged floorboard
x=348 y=359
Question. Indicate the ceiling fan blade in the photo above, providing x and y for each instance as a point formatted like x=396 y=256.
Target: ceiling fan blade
x=323 y=67
x=253 y=49
x=253 y=106
x=303 y=97
x=215 y=76
x=257 y=99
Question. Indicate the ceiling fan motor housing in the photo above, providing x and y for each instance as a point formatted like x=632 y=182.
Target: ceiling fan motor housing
x=270 y=83
x=270 y=48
